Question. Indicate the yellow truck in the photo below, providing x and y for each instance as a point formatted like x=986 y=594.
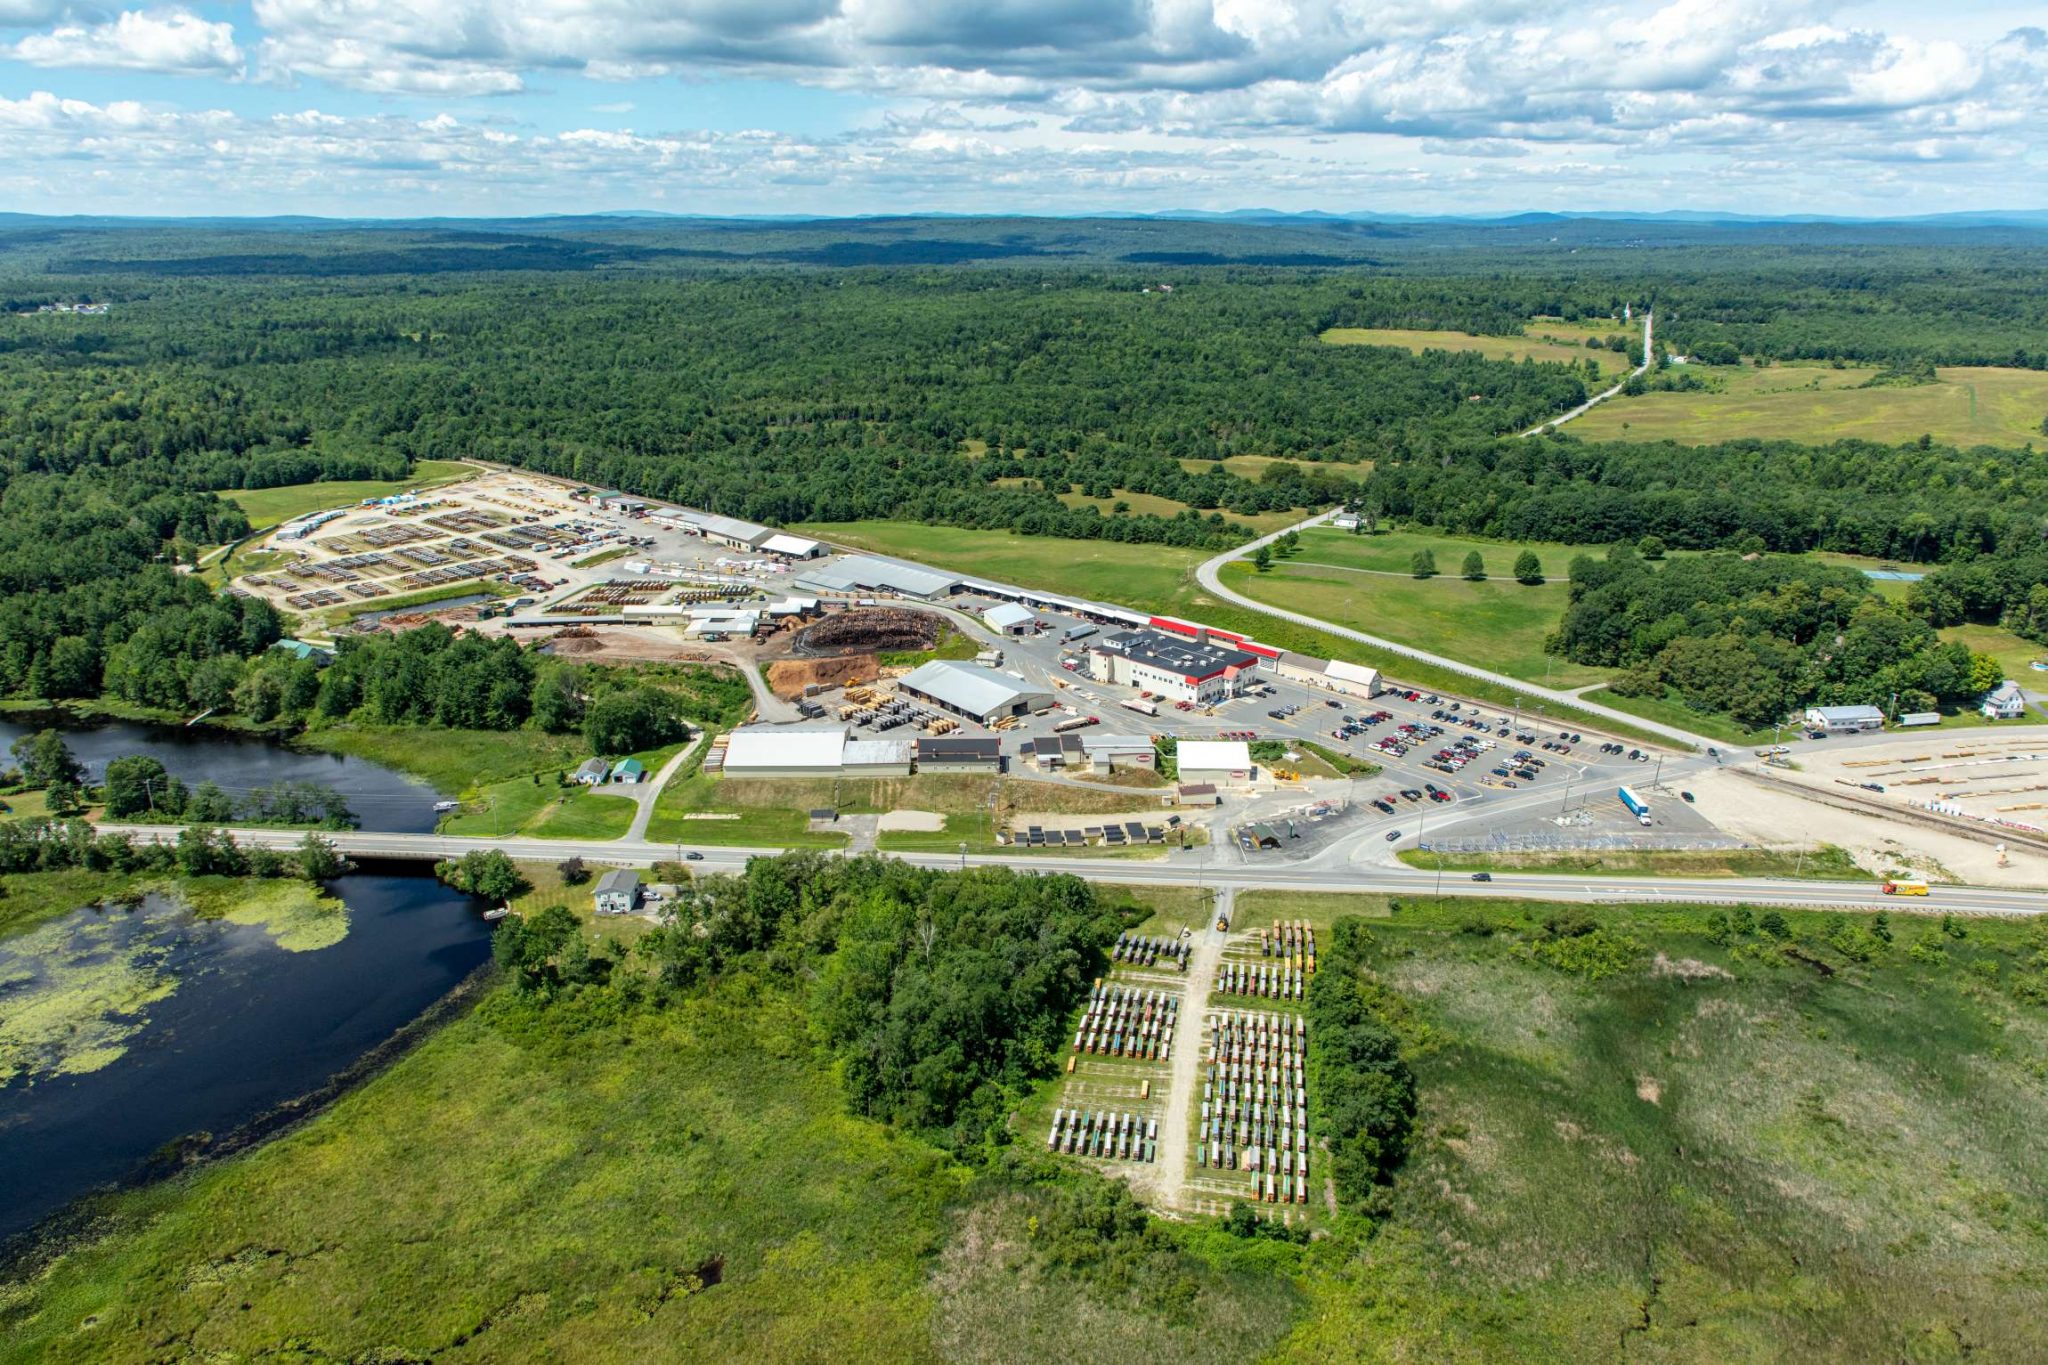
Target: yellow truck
x=1913 y=887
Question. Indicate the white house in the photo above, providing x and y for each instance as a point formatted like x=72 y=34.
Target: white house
x=618 y=892
x=2004 y=702
x=591 y=771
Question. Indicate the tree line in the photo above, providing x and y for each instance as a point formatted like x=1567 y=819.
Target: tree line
x=1760 y=638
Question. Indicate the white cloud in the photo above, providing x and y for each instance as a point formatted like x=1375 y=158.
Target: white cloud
x=175 y=41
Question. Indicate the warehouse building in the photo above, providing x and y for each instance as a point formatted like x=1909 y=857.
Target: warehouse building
x=792 y=547
x=877 y=758
x=1006 y=618
x=865 y=573
x=1844 y=720
x=1333 y=674
x=1192 y=670
x=979 y=694
x=727 y=531
x=784 y=750
x=1220 y=763
x=959 y=756
x=1108 y=753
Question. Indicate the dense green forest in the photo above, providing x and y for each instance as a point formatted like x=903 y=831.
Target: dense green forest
x=1917 y=502
x=1759 y=637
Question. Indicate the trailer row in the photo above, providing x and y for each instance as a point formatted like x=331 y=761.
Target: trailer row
x=1261 y=980
x=1109 y=1002
x=1238 y=1035
x=1118 y=1136
x=1144 y=951
x=1292 y=941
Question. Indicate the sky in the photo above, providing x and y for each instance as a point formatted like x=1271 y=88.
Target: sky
x=382 y=108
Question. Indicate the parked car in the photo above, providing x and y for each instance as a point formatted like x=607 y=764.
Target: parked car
x=1685 y=797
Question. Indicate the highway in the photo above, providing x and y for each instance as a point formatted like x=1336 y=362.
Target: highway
x=1195 y=868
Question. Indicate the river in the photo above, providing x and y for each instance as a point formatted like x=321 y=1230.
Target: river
x=127 y=1028
x=382 y=799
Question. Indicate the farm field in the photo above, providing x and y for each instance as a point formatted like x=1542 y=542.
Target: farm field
x=1815 y=403
x=1531 y=347
x=1498 y=624
x=268 y=507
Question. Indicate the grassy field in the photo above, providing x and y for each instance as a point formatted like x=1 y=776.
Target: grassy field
x=268 y=507
x=1671 y=712
x=1721 y=1151
x=1498 y=624
x=1816 y=403
x=1394 y=552
x=1109 y=570
x=1532 y=347
x=602 y=557
x=454 y=761
x=2014 y=651
x=1826 y=863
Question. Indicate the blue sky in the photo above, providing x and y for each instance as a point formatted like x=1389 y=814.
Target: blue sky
x=405 y=107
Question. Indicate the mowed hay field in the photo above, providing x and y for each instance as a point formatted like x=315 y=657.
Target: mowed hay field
x=1817 y=403
x=1498 y=624
x=1531 y=347
x=1714 y=1153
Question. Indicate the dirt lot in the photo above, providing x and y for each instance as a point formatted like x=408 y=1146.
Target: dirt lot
x=623 y=644
x=1781 y=818
x=789 y=677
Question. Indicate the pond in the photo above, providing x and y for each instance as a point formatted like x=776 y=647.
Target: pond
x=382 y=798
x=124 y=1029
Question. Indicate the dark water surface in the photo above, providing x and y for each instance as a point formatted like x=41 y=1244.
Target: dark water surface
x=382 y=798
x=231 y=1024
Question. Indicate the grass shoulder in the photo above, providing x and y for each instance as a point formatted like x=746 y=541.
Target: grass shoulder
x=1825 y=863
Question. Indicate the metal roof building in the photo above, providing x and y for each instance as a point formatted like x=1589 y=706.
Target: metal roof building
x=857 y=573
x=980 y=694
x=784 y=750
x=877 y=757
x=1845 y=718
x=741 y=535
x=796 y=547
x=1008 y=619
x=959 y=755
x=1217 y=761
